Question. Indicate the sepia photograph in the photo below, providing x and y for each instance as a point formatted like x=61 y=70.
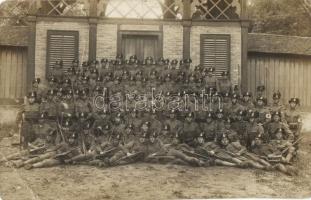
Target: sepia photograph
x=155 y=99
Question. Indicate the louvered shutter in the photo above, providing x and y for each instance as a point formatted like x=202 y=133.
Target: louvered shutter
x=62 y=45
x=215 y=52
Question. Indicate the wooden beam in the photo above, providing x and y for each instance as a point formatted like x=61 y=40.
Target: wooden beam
x=244 y=53
x=186 y=39
x=92 y=38
x=31 y=51
x=187 y=9
x=93 y=8
x=244 y=14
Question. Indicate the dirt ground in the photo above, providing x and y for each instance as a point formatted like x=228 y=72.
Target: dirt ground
x=146 y=181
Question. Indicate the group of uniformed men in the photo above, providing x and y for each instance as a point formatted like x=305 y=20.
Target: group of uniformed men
x=65 y=123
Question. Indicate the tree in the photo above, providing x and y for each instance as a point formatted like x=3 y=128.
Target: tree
x=285 y=17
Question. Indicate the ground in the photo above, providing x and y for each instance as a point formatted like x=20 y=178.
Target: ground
x=146 y=181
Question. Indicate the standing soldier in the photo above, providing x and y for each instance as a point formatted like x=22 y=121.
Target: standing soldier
x=276 y=103
x=30 y=115
x=210 y=81
x=235 y=106
x=239 y=125
x=263 y=111
x=246 y=101
x=57 y=71
x=224 y=84
x=260 y=90
x=293 y=117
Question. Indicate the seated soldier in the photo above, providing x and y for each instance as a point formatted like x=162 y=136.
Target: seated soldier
x=173 y=153
x=272 y=154
x=18 y=159
x=253 y=129
x=58 y=155
x=208 y=127
x=190 y=129
x=283 y=145
x=235 y=106
x=275 y=124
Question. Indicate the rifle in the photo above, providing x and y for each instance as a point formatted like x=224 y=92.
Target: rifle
x=103 y=154
x=294 y=143
x=60 y=129
x=195 y=154
x=128 y=157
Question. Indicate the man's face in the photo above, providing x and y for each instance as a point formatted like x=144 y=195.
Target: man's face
x=292 y=105
x=145 y=128
x=239 y=118
x=152 y=139
x=225 y=141
x=260 y=103
x=172 y=116
x=246 y=98
x=200 y=140
x=258 y=142
x=234 y=100
x=189 y=119
x=279 y=135
x=276 y=118
x=31 y=100
x=141 y=139
x=209 y=120
x=71 y=141
x=210 y=74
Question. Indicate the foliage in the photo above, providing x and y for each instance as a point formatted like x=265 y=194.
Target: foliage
x=286 y=17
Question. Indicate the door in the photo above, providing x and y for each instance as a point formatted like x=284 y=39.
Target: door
x=142 y=46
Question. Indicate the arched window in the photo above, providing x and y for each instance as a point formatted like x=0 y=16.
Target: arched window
x=144 y=9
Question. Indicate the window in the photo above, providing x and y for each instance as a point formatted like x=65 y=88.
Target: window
x=62 y=45
x=215 y=52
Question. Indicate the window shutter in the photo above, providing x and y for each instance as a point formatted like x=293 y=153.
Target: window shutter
x=62 y=45
x=215 y=52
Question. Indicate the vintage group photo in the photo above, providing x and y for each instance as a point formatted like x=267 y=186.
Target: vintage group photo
x=155 y=99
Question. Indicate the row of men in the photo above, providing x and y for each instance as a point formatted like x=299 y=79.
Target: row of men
x=127 y=77
x=113 y=140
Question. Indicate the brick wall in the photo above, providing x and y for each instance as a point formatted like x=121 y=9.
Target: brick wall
x=106 y=41
x=173 y=41
x=234 y=30
x=41 y=41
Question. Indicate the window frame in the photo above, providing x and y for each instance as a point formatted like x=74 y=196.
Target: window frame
x=216 y=36
x=63 y=33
